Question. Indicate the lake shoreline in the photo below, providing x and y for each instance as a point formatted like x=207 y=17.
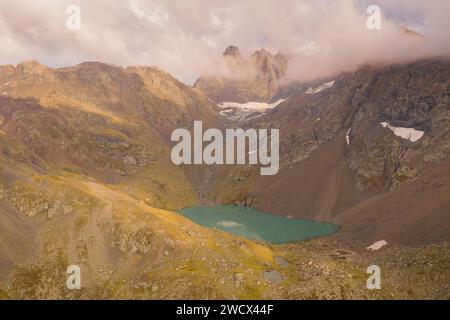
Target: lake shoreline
x=253 y=224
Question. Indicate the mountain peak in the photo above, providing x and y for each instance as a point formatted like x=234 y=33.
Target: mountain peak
x=232 y=51
x=262 y=52
x=253 y=78
x=31 y=65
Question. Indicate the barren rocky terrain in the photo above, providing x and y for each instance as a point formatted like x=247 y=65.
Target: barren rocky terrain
x=86 y=179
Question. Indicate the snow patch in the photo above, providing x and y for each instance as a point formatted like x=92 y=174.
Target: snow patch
x=377 y=245
x=410 y=134
x=257 y=106
x=5 y=93
x=241 y=111
x=324 y=86
x=347 y=136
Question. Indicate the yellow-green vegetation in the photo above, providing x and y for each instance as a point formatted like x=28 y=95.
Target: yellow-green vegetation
x=160 y=185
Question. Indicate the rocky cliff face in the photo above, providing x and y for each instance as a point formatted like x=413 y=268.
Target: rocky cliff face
x=413 y=96
x=246 y=79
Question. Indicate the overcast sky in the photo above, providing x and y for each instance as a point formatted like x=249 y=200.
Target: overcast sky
x=185 y=37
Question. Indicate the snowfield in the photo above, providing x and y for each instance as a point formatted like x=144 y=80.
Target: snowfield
x=327 y=85
x=258 y=106
x=242 y=111
x=410 y=134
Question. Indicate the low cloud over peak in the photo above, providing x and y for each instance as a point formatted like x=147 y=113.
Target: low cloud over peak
x=187 y=38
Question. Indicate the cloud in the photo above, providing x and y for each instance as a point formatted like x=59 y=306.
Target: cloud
x=343 y=42
x=185 y=37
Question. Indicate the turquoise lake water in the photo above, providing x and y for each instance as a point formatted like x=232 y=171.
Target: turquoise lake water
x=256 y=225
